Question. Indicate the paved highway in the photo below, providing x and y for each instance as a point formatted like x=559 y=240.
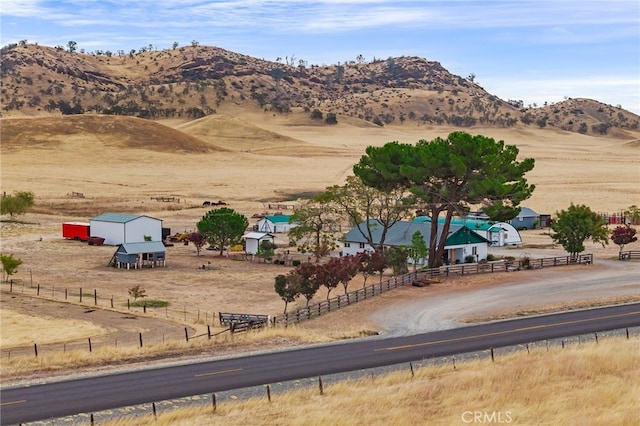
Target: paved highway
x=44 y=401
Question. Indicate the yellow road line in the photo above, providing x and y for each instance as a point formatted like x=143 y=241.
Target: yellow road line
x=22 y=401
x=218 y=372
x=516 y=330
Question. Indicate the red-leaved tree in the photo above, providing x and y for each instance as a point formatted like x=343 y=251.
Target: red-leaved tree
x=623 y=235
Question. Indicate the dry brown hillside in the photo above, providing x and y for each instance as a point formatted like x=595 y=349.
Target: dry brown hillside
x=197 y=81
x=115 y=132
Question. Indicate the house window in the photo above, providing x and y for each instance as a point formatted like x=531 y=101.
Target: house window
x=361 y=245
x=474 y=250
x=347 y=244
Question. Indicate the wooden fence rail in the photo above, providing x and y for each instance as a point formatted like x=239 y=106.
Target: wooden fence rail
x=629 y=254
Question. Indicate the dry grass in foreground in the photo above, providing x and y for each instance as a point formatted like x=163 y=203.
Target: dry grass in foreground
x=589 y=384
x=62 y=362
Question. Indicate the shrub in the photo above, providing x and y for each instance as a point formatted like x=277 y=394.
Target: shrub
x=295 y=263
x=470 y=259
x=491 y=257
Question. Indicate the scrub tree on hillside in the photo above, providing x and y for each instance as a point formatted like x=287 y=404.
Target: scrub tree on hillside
x=447 y=176
x=574 y=226
x=223 y=227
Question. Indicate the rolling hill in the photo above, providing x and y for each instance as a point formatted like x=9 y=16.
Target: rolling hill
x=198 y=81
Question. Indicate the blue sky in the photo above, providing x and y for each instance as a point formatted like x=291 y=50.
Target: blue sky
x=536 y=51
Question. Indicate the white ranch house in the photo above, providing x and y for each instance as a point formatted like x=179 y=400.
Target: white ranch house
x=461 y=241
x=118 y=228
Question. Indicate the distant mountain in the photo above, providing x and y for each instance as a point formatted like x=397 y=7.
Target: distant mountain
x=195 y=81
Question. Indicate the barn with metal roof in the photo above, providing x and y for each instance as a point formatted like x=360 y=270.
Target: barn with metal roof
x=118 y=228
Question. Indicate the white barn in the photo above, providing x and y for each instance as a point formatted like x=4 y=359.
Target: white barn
x=118 y=228
x=276 y=223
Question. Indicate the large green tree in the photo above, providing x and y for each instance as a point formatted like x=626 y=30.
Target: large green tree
x=572 y=227
x=448 y=176
x=17 y=203
x=223 y=227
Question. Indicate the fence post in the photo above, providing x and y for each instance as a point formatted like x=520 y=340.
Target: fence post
x=89 y=344
x=269 y=393
x=80 y=294
x=38 y=291
x=155 y=414
x=411 y=368
x=492 y=358
x=65 y=294
x=128 y=304
x=95 y=297
x=112 y=301
x=320 y=385
x=209 y=331
x=140 y=335
x=35 y=348
x=214 y=405
x=186 y=334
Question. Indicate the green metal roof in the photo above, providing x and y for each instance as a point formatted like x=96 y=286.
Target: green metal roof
x=475 y=224
x=279 y=218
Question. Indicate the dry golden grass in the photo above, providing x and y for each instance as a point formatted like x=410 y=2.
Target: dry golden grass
x=590 y=384
x=59 y=361
x=19 y=329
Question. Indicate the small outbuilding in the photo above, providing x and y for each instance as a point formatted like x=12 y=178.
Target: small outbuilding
x=254 y=239
x=526 y=219
x=139 y=255
x=275 y=223
x=118 y=228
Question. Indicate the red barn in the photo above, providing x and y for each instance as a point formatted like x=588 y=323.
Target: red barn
x=75 y=230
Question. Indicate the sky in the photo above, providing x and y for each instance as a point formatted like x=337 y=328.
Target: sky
x=536 y=51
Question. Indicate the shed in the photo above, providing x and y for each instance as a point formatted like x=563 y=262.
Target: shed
x=275 y=223
x=138 y=255
x=461 y=242
x=254 y=239
x=118 y=228
x=526 y=219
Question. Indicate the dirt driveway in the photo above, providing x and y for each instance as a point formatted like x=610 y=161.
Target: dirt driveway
x=525 y=291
